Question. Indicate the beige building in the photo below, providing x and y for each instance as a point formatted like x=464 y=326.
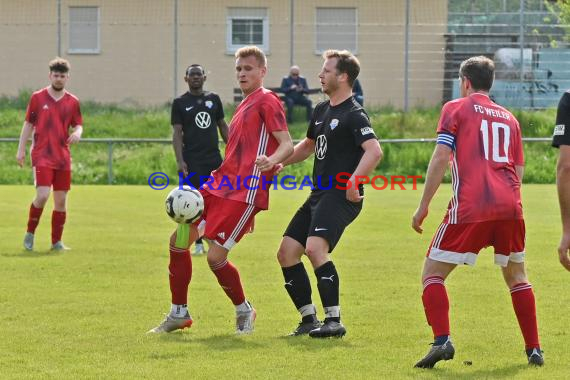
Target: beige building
x=135 y=51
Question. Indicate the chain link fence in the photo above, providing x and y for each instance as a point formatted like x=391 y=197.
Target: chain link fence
x=135 y=51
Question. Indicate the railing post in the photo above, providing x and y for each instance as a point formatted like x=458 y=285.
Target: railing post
x=407 y=57
x=110 y=163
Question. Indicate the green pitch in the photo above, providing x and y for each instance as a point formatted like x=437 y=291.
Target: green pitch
x=84 y=313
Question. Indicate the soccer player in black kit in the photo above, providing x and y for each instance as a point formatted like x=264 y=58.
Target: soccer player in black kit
x=561 y=140
x=343 y=141
x=194 y=118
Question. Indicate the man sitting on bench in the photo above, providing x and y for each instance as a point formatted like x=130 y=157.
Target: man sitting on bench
x=295 y=88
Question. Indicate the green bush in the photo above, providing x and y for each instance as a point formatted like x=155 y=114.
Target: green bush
x=134 y=162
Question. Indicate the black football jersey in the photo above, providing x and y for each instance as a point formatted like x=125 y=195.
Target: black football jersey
x=199 y=116
x=338 y=133
x=561 y=135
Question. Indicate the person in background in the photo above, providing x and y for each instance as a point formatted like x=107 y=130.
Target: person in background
x=295 y=88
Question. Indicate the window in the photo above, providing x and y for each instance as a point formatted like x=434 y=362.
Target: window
x=336 y=29
x=247 y=26
x=84 y=30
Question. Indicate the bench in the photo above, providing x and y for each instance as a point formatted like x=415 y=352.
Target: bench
x=238 y=96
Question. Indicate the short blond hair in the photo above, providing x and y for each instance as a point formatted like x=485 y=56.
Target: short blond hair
x=248 y=51
x=59 y=65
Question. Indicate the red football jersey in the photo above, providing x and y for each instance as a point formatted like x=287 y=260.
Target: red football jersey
x=255 y=119
x=486 y=145
x=51 y=120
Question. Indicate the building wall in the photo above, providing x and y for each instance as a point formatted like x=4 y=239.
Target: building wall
x=136 y=62
x=28 y=34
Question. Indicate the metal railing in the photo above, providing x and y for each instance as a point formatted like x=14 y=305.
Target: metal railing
x=112 y=141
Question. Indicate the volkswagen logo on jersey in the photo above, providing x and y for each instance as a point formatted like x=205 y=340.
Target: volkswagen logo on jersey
x=321 y=147
x=209 y=104
x=333 y=124
x=203 y=120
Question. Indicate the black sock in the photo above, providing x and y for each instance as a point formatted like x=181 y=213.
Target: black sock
x=199 y=241
x=439 y=340
x=298 y=285
x=328 y=284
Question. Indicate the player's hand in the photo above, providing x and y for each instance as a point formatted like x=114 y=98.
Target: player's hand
x=278 y=169
x=182 y=168
x=264 y=163
x=564 y=251
x=74 y=138
x=21 y=158
x=418 y=219
x=251 y=226
x=352 y=193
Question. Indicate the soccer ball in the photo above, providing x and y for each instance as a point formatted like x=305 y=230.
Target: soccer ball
x=184 y=205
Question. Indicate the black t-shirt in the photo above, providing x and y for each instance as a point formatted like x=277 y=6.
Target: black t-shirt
x=199 y=116
x=561 y=135
x=338 y=133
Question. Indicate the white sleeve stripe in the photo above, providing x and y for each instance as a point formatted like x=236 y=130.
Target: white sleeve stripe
x=446 y=139
x=446 y=144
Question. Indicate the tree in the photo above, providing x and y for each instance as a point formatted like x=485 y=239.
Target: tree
x=560 y=10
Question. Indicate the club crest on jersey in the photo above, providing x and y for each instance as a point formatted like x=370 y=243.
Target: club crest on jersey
x=559 y=130
x=203 y=120
x=321 y=147
x=209 y=104
x=333 y=124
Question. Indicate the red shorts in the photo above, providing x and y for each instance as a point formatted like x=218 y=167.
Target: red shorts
x=225 y=220
x=460 y=243
x=60 y=179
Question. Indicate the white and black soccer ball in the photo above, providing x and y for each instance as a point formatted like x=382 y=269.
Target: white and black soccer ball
x=184 y=205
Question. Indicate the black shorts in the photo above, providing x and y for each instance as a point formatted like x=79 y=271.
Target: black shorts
x=324 y=214
x=202 y=169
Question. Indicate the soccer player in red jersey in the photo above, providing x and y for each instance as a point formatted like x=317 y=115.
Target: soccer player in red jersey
x=482 y=141
x=258 y=141
x=52 y=114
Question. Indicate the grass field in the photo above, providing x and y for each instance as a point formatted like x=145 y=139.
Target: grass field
x=83 y=313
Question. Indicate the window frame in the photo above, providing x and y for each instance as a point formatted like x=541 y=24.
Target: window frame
x=231 y=48
x=319 y=52
x=96 y=50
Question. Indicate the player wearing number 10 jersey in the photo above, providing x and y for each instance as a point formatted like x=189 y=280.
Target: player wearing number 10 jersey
x=482 y=141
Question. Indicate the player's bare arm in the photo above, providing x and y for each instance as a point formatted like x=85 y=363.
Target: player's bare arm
x=520 y=172
x=224 y=130
x=27 y=130
x=436 y=170
x=301 y=152
x=563 y=184
x=177 y=135
x=370 y=159
x=75 y=135
x=284 y=150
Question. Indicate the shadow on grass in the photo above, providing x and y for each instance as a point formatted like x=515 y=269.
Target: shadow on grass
x=217 y=342
x=312 y=344
x=23 y=254
x=451 y=373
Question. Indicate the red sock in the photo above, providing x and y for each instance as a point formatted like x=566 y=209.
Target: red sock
x=436 y=305
x=57 y=222
x=180 y=269
x=525 y=309
x=34 y=218
x=228 y=278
